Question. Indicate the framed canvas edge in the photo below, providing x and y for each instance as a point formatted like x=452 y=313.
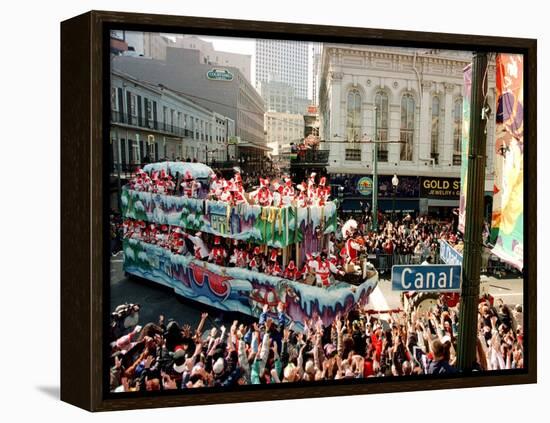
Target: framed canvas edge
x=89 y=393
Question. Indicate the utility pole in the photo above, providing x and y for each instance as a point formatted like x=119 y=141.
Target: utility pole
x=375 y=174
x=471 y=264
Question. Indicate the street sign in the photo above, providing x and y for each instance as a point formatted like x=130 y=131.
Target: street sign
x=432 y=278
x=448 y=254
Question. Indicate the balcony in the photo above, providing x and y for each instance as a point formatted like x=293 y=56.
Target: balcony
x=310 y=157
x=124 y=118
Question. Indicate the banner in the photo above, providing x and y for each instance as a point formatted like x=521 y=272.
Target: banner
x=507 y=216
x=448 y=254
x=465 y=139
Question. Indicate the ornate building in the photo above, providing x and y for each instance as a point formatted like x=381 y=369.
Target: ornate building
x=409 y=98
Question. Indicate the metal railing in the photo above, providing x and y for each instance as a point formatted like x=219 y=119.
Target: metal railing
x=143 y=122
x=310 y=157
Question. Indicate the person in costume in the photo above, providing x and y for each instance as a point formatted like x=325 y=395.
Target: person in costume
x=218 y=253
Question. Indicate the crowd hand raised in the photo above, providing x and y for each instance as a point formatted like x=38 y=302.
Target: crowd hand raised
x=186 y=331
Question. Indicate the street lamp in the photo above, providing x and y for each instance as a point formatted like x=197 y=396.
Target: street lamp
x=394 y=182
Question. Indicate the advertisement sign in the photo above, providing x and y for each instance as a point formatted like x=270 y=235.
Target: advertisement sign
x=364 y=185
x=219 y=75
x=448 y=254
x=432 y=278
x=440 y=188
x=233 y=140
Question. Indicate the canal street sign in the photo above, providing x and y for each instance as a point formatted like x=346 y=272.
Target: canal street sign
x=448 y=254
x=432 y=278
x=219 y=75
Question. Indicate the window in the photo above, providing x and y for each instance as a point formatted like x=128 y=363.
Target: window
x=133 y=104
x=434 y=150
x=114 y=98
x=457 y=132
x=381 y=104
x=353 y=125
x=407 y=127
x=353 y=154
x=148 y=109
x=164 y=116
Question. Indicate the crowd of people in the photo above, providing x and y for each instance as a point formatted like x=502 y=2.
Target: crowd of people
x=362 y=344
x=279 y=192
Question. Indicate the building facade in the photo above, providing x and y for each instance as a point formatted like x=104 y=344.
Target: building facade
x=286 y=60
x=410 y=102
x=209 y=55
x=282 y=130
x=154 y=45
x=279 y=97
x=224 y=90
x=151 y=123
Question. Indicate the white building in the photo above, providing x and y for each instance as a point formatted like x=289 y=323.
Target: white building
x=418 y=96
x=288 y=60
x=282 y=129
x=152 y=123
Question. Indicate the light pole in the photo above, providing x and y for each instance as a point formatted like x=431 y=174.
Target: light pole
x=394 y=182
x=471 y=262
x=375 y=174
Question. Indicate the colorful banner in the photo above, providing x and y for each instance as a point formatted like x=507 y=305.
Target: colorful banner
x=274 y=226
x=507 y=216
x=467 y=90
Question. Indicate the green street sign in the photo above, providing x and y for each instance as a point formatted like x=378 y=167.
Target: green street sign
x=219 y=75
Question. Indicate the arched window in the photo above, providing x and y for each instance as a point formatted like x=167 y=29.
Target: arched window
x=353 y=126
x=434 y=151
x=407 y=127
x=457 y=132
x=381 y=104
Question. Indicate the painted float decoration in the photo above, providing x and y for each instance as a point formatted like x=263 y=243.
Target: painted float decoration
x=237 y=289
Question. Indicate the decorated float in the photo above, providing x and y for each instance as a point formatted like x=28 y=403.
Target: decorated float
x=296 y=232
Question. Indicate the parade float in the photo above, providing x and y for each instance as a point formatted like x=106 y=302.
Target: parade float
x=296 y=232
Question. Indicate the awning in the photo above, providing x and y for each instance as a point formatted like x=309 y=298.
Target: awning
x=401 y=205
x=352 y=205
x=254 y=145
x=442 y=203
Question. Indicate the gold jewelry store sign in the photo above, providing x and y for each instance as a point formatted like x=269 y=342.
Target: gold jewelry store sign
x=440 y=188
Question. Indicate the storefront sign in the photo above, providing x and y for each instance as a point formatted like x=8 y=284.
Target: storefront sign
x=364 y=185
x=448 y=254
x=219 y=75
x=432 y=278
x=440 y=188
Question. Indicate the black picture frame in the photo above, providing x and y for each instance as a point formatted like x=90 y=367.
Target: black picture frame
x=84 y=210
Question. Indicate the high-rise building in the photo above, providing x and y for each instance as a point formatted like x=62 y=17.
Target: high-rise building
x=286 y=61
x=279 y=97
x=316 y=59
